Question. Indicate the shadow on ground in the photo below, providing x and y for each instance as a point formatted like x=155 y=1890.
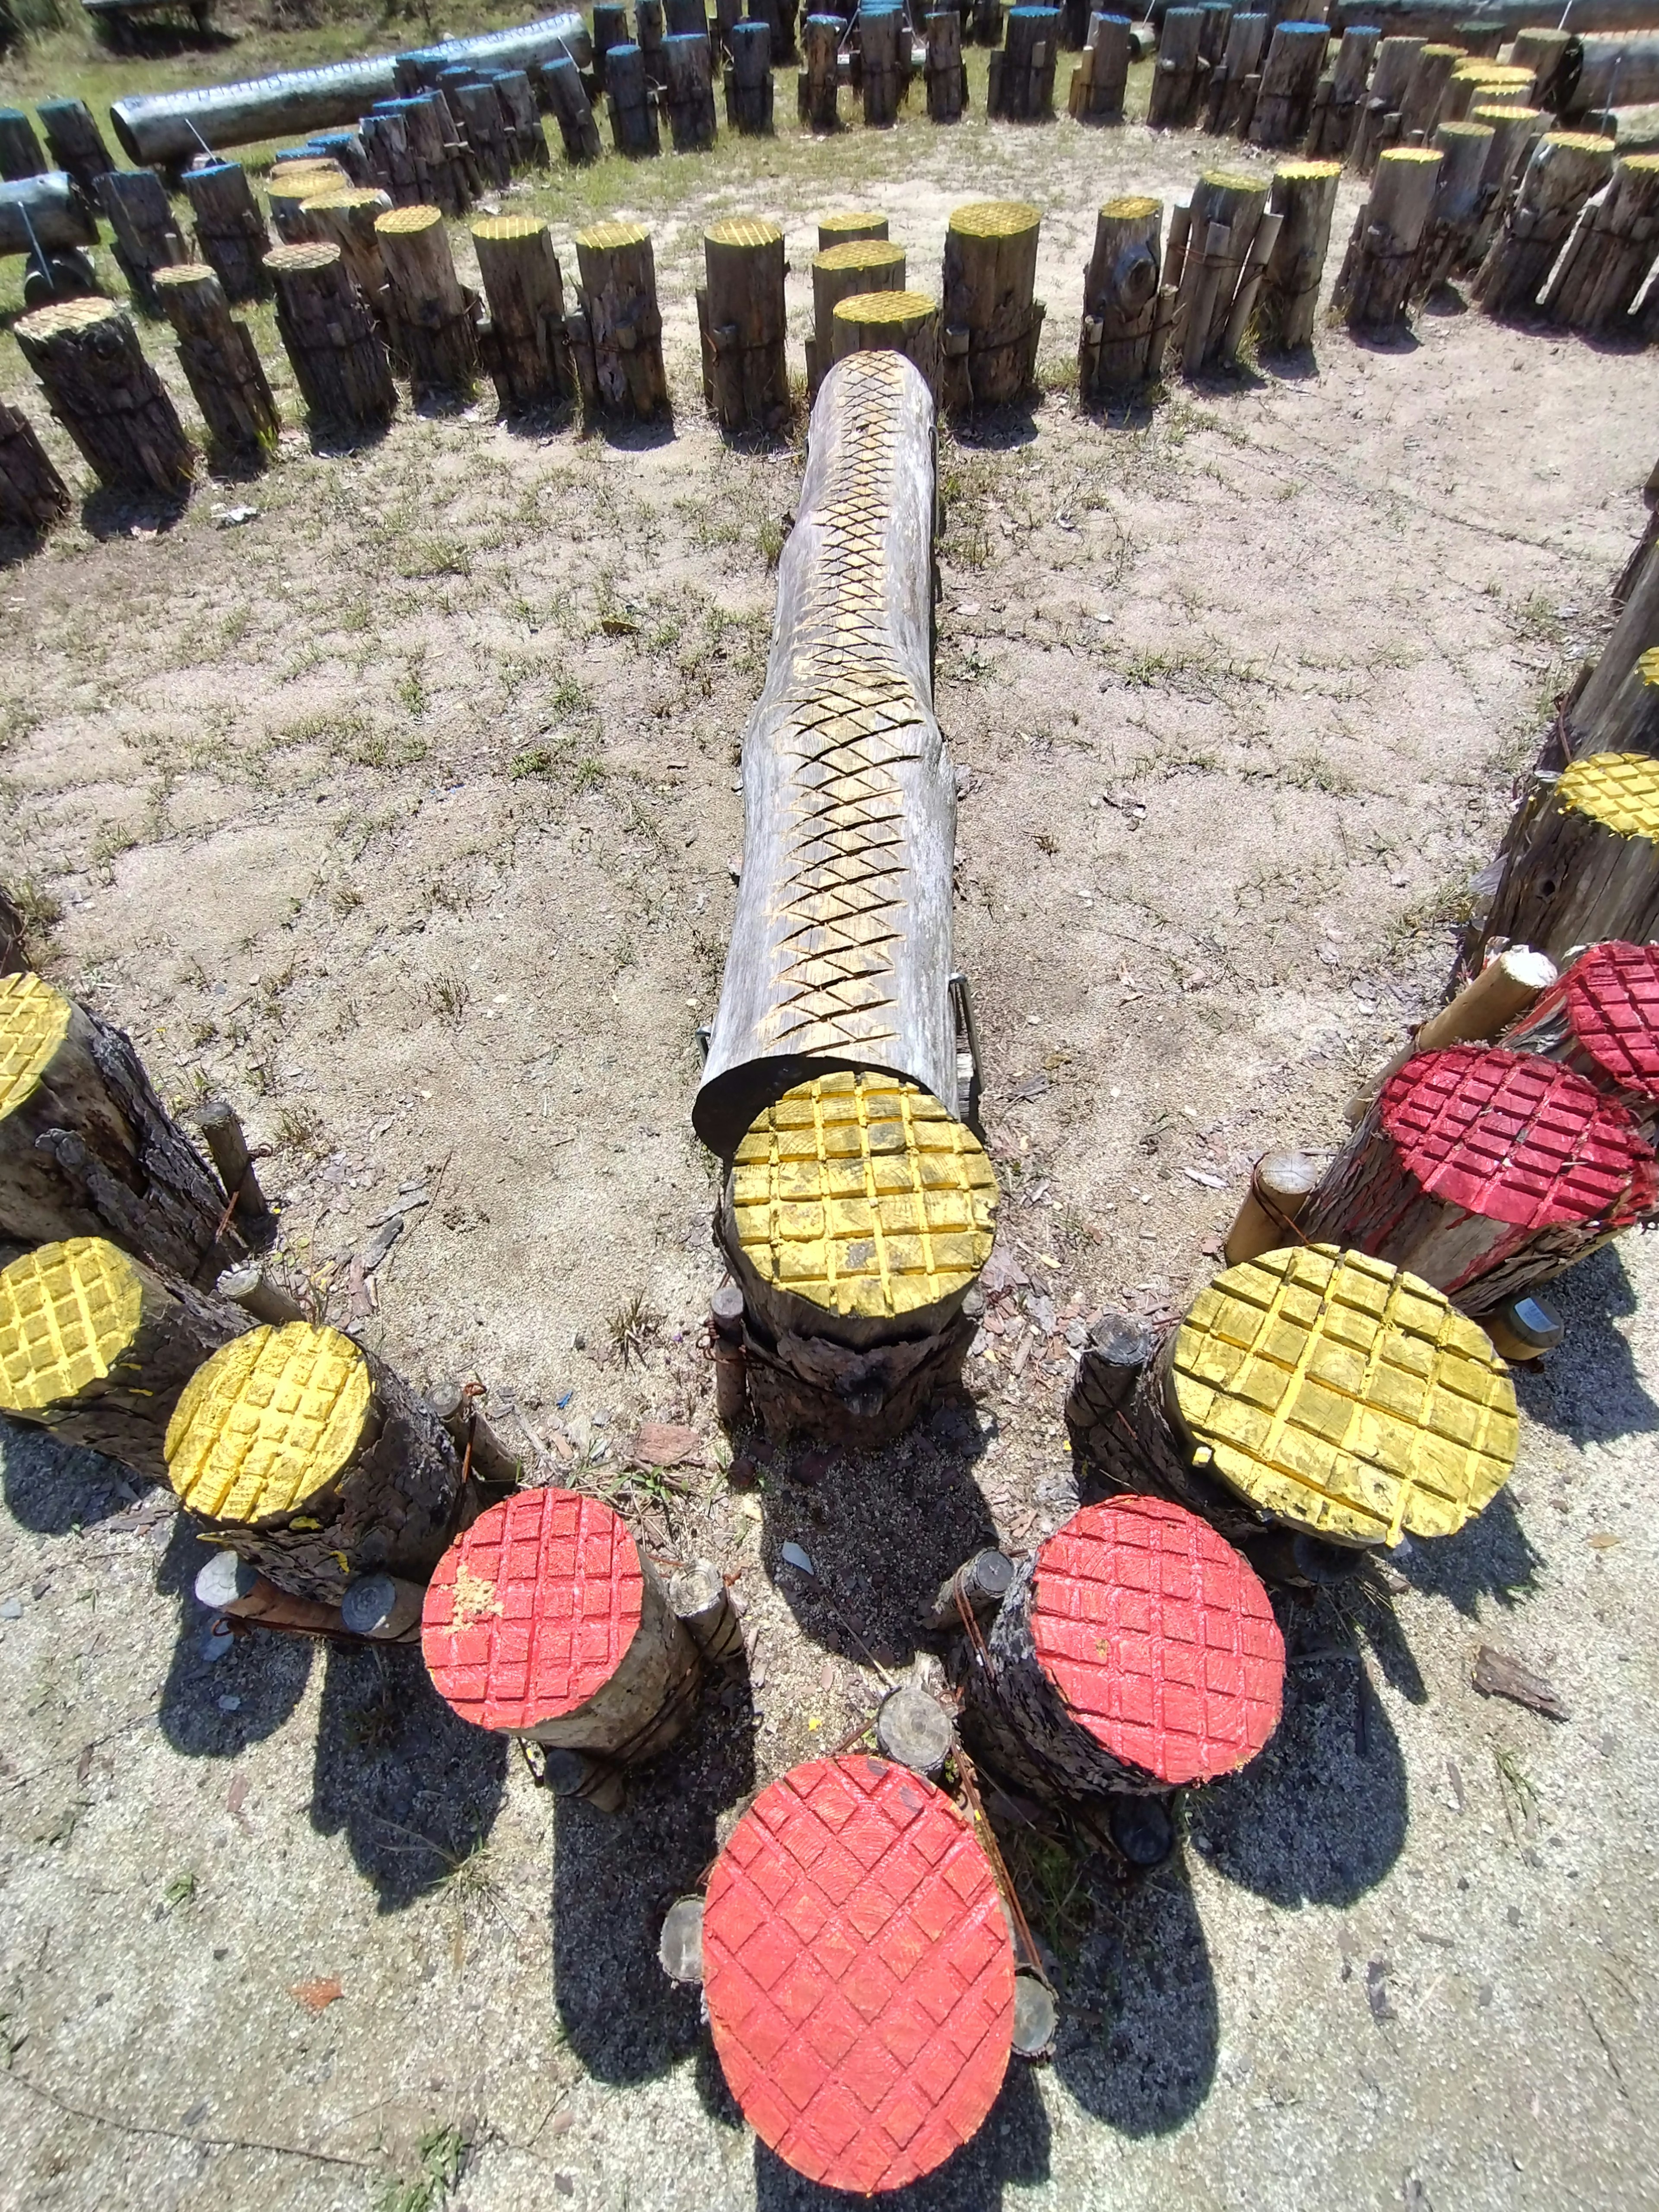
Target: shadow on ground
x=56 y=1488
x=1587 y=1390
x=222 y=1693
x=1011 y=2150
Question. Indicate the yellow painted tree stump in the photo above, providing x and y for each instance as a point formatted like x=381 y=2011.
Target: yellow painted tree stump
x=1583 y=861
x=839 y=270
x=890 y=322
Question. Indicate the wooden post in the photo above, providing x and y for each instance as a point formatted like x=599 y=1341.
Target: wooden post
x=1224 y=214
x=984 y=22
x=1303 y=197
x=382 y=1607
x=819 y=77
x=310 y=1459
x=526 y=139
x=97 y=1347
x=106 y=395
x=1425 y=91
x=849 y=227
x=440 y=157
x=1230 y=89
x=699 y=1596
x=1335 y=126
x=1601 y=1020
x=430 y=314
x=1267 y=1218
x=1550 y=55
x=1479 y=1013
x=33 y=496
x=1290 y=78
x=346 y=217
x=730 y=1362
x=622 y=326
x=567 y=96
x=487 y=1459
x=20 y=150
x=1594 y=285
x=1564 y=168
x=259 y=1295
x=1085 y=1690
x=1486 y=1173
x=945 y=72
x=1179 y=75
x=881 y=31
x=689 y=60
x=980 y=1583
x=1459 y=203
x=227 y=1142
x=1375 y=282
x=1516 y=132
x=484 y=121
x=992 y=322
x=1023 y=86
x=390 y=163
x=862 y=264
x=1250 y=279
x=233 y=1590
x=136 y=205
x=221 y=365
x=1583 y=862
x=337 y=355
x=1379 y=121
x=545 y=1620
x=526 y=345
x=610 y=30
x=743 y=323
x=1119 y=297
x=286 y=195
x=913 y=1729
x=1212 y=32
x=895 y=322
x=689 y=18
x=749 y=80
x=231 y=235
x=1096 y=92
x=346 y=147
x=628 y=97
x=86 y=1147
x=75 y=142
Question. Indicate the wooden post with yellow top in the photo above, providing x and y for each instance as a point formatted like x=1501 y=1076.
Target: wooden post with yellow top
x=743 y=323
x=617 y=329
x=992 y=320
x=889 y=322
x=845 y=264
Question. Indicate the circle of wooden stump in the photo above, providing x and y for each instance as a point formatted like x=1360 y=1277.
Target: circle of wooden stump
x=839 y=271
x=1602 y=1019
x=859 y=1196
x=889 y=322
x=844 y=226
x=1338 y=1393
x=858 y=1973
x=107 y=395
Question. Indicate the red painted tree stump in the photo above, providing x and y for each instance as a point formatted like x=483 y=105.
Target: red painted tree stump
x=1601 y=1020
x=544 y=1620
x=1485 y=1173
x=1136 y=1650
x=858 y=1973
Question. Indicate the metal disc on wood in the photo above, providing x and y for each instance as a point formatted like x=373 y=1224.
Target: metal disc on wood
x=858 y=1973
x=68 y=1312
x=530 y=1613
x=1159 y=1637
x=1342 y=1394
x=268 y=1422
x=1613 y=1004
x=861 y=1195
x=33 y=1022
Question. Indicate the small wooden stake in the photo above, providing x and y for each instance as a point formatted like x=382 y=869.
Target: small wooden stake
x=108 y=397
x=700 y=1598
x=229 y=1587
x=258 y=1295
x=913 y=1729
x=744 y=323
x=526 y=344
x=622 y=323
x=231 y=235
x=461 y=1412
x=980 y=1583
x=384 y=1608
x=1376 y=279
x=1119 y=297
x=228 y=381
x=1303 y=197
x=147 y=238
x=338 y=357
x=1279 y=1184
x=433 y=317
x=1565 y=167
x=1500 y=994
x=33 y=496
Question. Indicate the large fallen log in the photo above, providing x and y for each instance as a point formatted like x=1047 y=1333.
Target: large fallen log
x=1429 y=19
x=49 y=207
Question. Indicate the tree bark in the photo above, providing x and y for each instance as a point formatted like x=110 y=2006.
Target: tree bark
x=744 y=324
x=1096 y=92
x=87 y=1148
x=1626 y=714
x=75 y=142
x=992 y=322
x=1564 y=169
x=1022 y=84
x=749 y=80
x=231 y=235
x=97 y=1347
x=1465 y=149
x=20 y=150
x=1594 y=284
x=391 y=159
x=221 y=365
x=623 y=325
x=1582 y=863
x=1420 y=105
x=1375 y=282
x=1119 y=297
x=1179 y=75
x=567 y=96
x=1290 y=79
x=1515 y=131
x=820 y=76
x=881 y=33
x=526 y=139
x=526 y=344
x=147 y=238
x=863 y=265
x=627 y=96
x=1303 y=197
x=33 y=496
x=430 y=314
x=1379 y=118
x=338 y=357
x=108 y=397
x=945 y=75
x=1335 y=126
x=346 y=217
x=690 y=97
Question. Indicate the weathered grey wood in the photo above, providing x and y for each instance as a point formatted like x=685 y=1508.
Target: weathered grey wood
x=289 y=188
x=945 y=72
x=136 y=205
x=1267 y=1218
x=1250 y=278
x=1179 y=74
x=819 y=77
x=483 y=1457
x=441 y=165
x=622 y=324
x=345 y=147
x=231 y=235
x=882 y=36
x=846 y=631
x=700 y=1598
x=89 y=1150
x=346 y=217
x=391 y=162
x=992 y=321
x=526 y=345
x=258 y=1294
x=1231 y=202
x=1516 y=132
x=1119 y=297
x=48 y=211
x=689 y=60
x=982 y=20
x=1420 y=104
x=383 y=1607
x=222 y=369
x=567 y=96
x=527 y=140
x=1021 y=79
x=1230 y=89
x=1212 y=32
x=339 y=356
x=628 y=99
x=233 y=1590
x=1336 y=120
x=749 y=80
x=1303 y=196
x=33 y=496
x=227 y=1146
x=861 y=264
x=1625 y=69
x=650 y=29
x=1096 y=92
x=74 y=141
x=108 y=397
x=1374 y=283
x=1511 y=18
x=743 y=323
x=1607 y=708
x=1570 y=877
x=1290 y=79
x=1564 y=169
x=913 y=1729
x=20 y=150
x=485 y=123
x=1465 y=149
x=1379 y=119
x=1594 y=284
x=430 y=314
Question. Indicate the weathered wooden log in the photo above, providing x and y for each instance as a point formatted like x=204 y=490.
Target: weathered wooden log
x=1021 y=87
x=1303 y=197
x=346 y=217
x=1565 y=167
x=1499 y=994
x=1379 y=119
x=1290 y=79
x=1375 y=282
x=484 y=122
x=982 y=21
x=106 y=395
x=1084 y=1690
x=1230 y=89
x=743 y=323
x=1268 y=1214
x=913 y=1729
x=235 y=1592
x=689 y=18
x=849 y=227
x=1486 y=1173
x=75 y=142
x=1593 y=286
x=882 y=34
x=819 y=80
x=310 y=1459
x=1096 y=91
x=944 y=73
x=862 y=264
x=749 y=80
x=485 y=1458
x=136 y=205
x=1601 y=1020
x=440 y=163
x=1582 y=861
x=1336 y=118
x=730 y=1361
x=1515 y=131
x=97 y=1347
x=87 y=1148
x=382 y=1607
x=526 y=138
x=1179 y=74
x=1555 y=58
x=546 y=1620
x=20 y=150
x=288 y=193
x=700 y=1599
x=610 y=30
x=345 y=149
x=526 y=344
x=566 y=97
x=1622 y=717
x=992 y=321
x=628 y=99
x=781 y=18
x=231 y=235
x=895 y=322
x=650 y=29
x=1613 y=70
x=1212 y=32
x=391 y=162
x=430 y=314
x=1511 y=18
x=333 y=343
x=618 y=343
x=221 y=367
x=1223 y=215
x=690 y=98
x=45 y=215
x=258 y=1292
x=33 y=496
x=1460 y=201
x=1308 y=1389
x=1119 y=297
x=1420 y=103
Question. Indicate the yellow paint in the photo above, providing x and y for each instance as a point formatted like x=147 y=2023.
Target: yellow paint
x=1301 y=172
x=1133 y=208
x=861 y=1195
x=408 y=222
x=1401 y=156
x=1619 y=790
x=607 y=237
x=1344 y=1395
x=874 y=308
x=34 y=1020
x=68 y=1312
x=268 y=1423
x=861 y=253
x=290 y=260
x=855 y=221
x=501 y=229
x=1582 y=142
x=995 y=219
x=743 y=230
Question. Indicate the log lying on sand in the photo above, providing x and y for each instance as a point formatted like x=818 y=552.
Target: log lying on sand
x=1581 y=862
x=97 y=1347
x=1566 y=168
x=1304 y=197
x=545 y=1620
x=310 y=1459
x=1601 y=1020
x=1086 y=1691
x=1486 y=1173
x=1119 y=297
x=221 y=364
x=1375 y=283
x=33 y=496
x=992 y=321
x=87 y=1149
x=744 y=325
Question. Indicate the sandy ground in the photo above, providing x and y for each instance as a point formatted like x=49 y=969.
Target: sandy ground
x=404 y=812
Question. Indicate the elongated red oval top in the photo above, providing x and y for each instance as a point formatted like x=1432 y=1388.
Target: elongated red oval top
x=532 y=1610
x=858 y=1973
x=1612 y=1004
x=1516 y=1139
x=1160 y=1638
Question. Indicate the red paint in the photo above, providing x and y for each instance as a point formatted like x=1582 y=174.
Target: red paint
x=1613 y=1008
x=1160 y=1638
x=1516 y=1139
x=858 y=1973
x=532 y=1610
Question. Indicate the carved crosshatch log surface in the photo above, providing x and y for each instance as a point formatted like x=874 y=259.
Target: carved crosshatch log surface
x=1601 y=1020
x=841 y=944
